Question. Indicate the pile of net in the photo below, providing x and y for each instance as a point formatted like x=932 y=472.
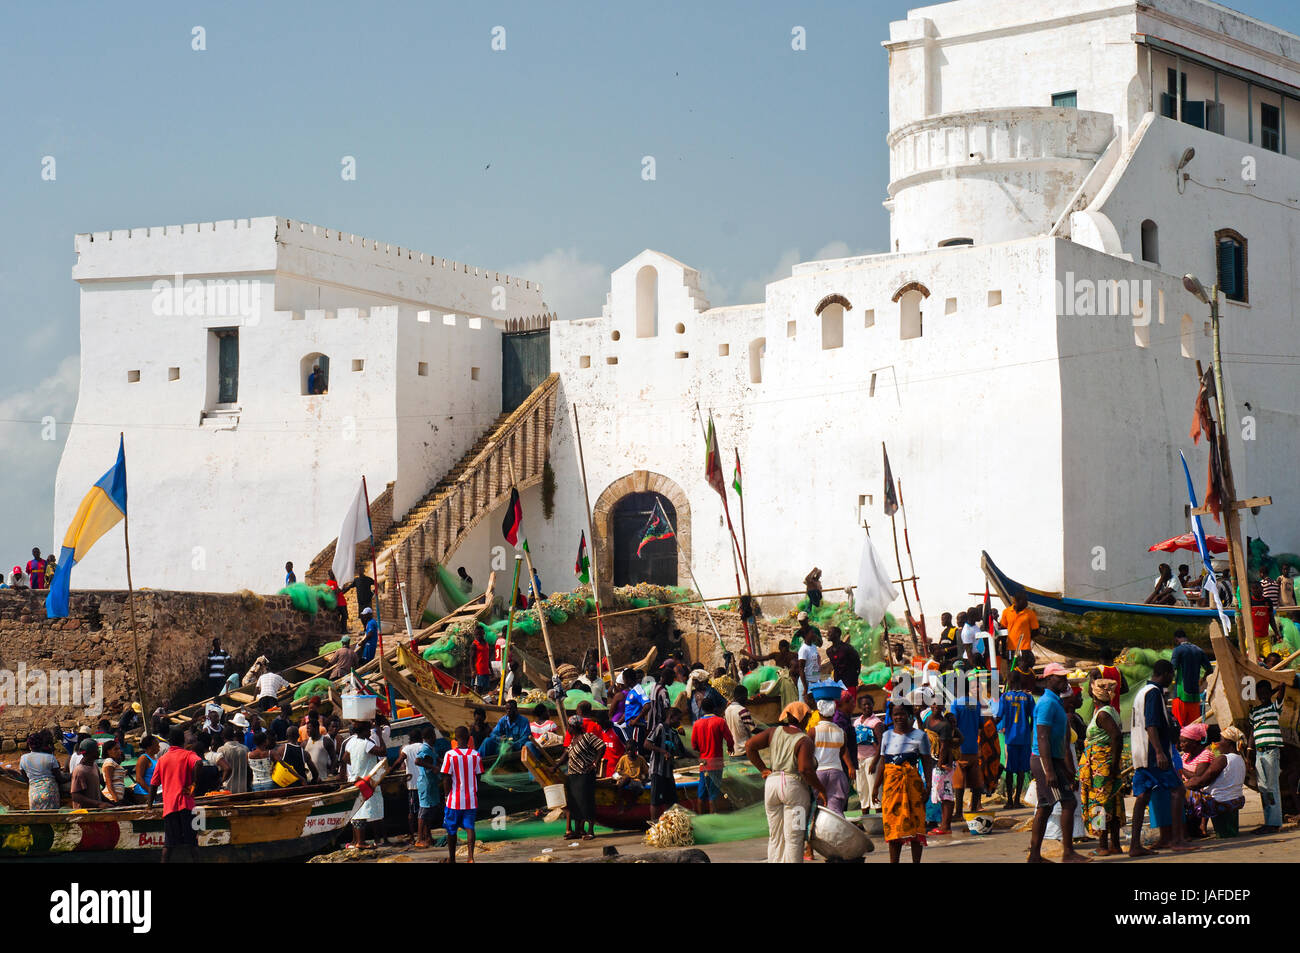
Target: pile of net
x=451 y=590
x=448 y=651
x=673 y=829
x=309 y=599
x=317 y=686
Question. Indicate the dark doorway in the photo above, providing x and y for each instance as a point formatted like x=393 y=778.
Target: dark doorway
x=525 y=363
x=657 y=563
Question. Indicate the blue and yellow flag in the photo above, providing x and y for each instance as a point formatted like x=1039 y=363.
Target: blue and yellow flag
x=100 y=511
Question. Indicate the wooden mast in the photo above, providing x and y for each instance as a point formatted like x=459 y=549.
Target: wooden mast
x=130 y=606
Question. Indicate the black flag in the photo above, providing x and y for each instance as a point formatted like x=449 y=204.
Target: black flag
x=891 y=495
x=514 y=518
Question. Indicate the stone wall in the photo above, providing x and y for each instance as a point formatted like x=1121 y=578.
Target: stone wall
x=175 y=633
x=700 y=644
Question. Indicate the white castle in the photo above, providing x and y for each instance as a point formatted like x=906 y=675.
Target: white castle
x=1025 y=348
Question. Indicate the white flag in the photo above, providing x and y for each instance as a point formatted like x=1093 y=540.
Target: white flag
x=875 y=590
x=355 y=528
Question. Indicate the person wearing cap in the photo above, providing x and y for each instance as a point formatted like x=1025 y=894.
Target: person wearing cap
x=370 y=634
x=1155 y=781
x=16 y=579
x=831 y=752
x=83 y=734
x=343 y=659
x=1215 y=787
x=1099 y=770
x=1052 y=771
x=787 y=781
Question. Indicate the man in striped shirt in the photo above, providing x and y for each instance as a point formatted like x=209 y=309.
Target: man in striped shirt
x=217 y=665
x=461 y=767
x=1266 y=739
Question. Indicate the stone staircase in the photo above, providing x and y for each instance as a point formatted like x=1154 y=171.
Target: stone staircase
x=431 y=530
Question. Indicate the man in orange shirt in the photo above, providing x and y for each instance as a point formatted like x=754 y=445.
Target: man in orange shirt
x=1021 y=624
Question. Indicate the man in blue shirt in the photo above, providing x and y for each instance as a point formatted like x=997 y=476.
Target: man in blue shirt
x=512 y=729
x=967 y=772
x=1053 y=774
x=370 y=637
x=1016 y=722
x=428 y=788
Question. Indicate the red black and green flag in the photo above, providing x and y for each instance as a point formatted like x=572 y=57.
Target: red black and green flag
x=713 y=463
x=514 y=518
x=582 y=567
x=735 y=480
x=656 y=528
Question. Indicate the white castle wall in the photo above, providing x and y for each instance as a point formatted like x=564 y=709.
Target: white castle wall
x=220 y=501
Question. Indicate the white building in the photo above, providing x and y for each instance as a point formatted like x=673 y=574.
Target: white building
x=1026 y=348
x=233 y=467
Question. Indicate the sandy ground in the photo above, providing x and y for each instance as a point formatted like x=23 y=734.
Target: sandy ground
x=1005 y=845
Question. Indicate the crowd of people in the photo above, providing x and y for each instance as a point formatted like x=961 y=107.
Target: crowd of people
x=37 y=573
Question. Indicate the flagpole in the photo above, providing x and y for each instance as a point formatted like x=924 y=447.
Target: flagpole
x=130 y=605
x=695 y=582
x=537 y=603
x=591 y=534
x=735 y=545
x=907 y=541
x=893 y=523
x=374 y=567
x=744 y=557
x=510 y=625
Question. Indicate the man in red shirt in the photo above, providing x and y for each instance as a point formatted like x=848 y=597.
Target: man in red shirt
x=482 y=663
x=174 y=773
x=709 y=736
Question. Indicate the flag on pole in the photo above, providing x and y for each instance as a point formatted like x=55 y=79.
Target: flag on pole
x=713 y=463
x=891 y=494
x=875 y=590
x=355 y=528
x=582 y=567
x=514 y=519
x=656 y=528
x=1198 y=530
x=735 y=481
x=100 y=511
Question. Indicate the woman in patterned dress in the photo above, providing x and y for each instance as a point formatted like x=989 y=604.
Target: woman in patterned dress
x=1099 y=770
x=904 y=753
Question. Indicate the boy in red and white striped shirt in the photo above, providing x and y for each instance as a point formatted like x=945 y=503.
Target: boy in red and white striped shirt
x=461 y=767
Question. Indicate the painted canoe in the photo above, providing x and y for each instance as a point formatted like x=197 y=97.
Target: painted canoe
x=241 y=828
x=1069 y=625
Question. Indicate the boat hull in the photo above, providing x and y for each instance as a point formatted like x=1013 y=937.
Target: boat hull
x=1070 y=625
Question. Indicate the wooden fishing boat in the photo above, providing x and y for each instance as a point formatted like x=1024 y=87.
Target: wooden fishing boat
x=236 y=828
x=1071 y=625
x=298 y=675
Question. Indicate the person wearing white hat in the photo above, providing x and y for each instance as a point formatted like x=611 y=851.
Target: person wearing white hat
x=370 y=636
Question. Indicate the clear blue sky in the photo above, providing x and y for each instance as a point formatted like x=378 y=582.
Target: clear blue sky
x=764 y=155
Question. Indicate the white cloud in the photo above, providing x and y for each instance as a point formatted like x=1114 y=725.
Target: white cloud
x=30 y=462
x=572 y=286
x=753 y=290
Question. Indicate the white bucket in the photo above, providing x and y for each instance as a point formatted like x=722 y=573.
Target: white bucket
x=359 y=707
x=554 y=795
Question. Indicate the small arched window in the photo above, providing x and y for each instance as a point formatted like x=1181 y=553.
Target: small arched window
x=953 y=242
x=314 y=371
x=1230 y=248
x=1150 y=242
x=909 y=298
x=647 y=302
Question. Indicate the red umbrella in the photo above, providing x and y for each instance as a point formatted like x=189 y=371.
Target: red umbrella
x=1215 y=544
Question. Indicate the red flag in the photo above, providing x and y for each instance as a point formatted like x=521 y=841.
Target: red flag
x=713 y=463
x=514 y=518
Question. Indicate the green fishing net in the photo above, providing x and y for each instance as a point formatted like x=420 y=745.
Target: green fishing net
x=330 y=647
x=575 y=695
x=449 y=650
x=754 y=680
x=454 y=594
x=310 y=599
x=317 y=686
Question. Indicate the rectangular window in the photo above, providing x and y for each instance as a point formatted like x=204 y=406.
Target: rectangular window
x=423 y=369
x=1270 y=127
x=358 y=364
x=133 y=377
x=1232 y=269
x=173 y=373
x=227 y=366
x=1068 y=100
